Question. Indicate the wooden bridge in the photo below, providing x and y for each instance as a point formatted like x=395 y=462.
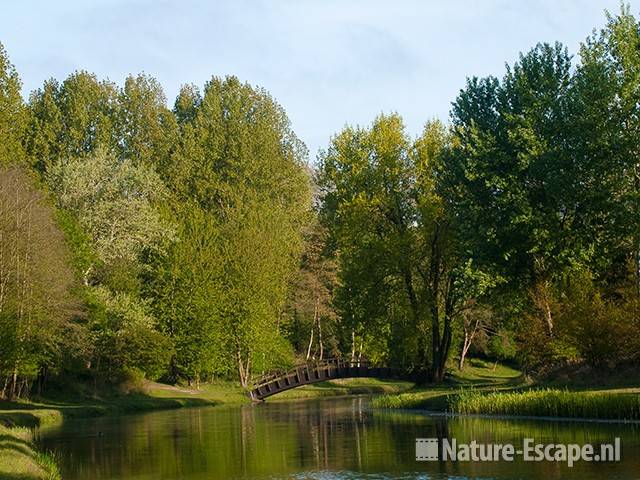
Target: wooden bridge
x=320 y=371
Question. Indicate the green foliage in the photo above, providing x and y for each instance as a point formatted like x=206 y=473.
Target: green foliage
x=511 y=178
x=13 y=114
x=35 y=282
x=187 y=298
x=502 y=346
x=194 y=236
x=241 y=188
x=83 y=252
x=195 y=215
x=125 y=335
x=114 y=202
x=72 y=119
x=313 y=319
x=147 y=129
x=540 y=175
x=603 y=331
x=403 y=281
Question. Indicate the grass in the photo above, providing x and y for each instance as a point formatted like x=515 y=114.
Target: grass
x=498 y=390
x=548 y=403
x=19 y=458
x=480 y=372
x=477 y=374
x=344 y=386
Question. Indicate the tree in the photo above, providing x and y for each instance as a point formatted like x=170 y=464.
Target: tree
x=311 y=302
x=36 y=304
x=395 y=242
x=13 y=114
x=239 y=161
x=116 y=204
x=125 y=336
x=542 y=175
x=72 y=119
x=146 y=127
x=511 y=178
x=187 y=297
x=606 y=128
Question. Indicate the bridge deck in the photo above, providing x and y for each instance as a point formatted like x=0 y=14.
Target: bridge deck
x=274 y=383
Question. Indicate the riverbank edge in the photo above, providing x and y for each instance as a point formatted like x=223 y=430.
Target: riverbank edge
x=18 y=419
x=21 y=457
x=532 y=402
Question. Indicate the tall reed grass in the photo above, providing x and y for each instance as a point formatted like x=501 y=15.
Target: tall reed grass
x=548 y=403
x=536 y=403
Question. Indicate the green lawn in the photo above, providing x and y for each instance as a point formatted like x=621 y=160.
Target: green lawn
x=344 y=386
x=477 y=374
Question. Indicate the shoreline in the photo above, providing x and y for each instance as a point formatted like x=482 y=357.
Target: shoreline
x=488 y=416
x=19 y=420
x=531 y=403
x=21 y=458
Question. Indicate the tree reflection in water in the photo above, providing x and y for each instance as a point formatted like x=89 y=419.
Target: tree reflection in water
x=326 y=438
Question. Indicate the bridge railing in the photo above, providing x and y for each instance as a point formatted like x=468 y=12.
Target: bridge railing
x=313 y=364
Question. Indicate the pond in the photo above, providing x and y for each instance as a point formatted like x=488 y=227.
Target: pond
x=332 y=438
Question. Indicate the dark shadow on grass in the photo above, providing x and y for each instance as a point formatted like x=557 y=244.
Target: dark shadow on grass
x=19 y=419
x=21 y=446
x=14 y=476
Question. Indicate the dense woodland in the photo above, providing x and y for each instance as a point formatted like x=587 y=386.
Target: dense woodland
x=200 y=242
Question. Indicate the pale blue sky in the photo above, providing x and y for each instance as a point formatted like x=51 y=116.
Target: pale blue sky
x=328 y=62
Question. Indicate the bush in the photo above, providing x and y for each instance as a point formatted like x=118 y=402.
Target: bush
x=603 y=331
x=601 y=327
x=126 y=337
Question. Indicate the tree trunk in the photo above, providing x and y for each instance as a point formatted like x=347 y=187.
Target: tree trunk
x=353 y=345
x=548 y=316
x=14 y=381
x=468 y=340
x=465 y=348
x=441 y=340
x=541 y=299
x=4 y=388
x=317 y=315
x=244 y=369
x=310 y=340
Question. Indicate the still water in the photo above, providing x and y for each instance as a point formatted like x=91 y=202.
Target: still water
x=338 y=438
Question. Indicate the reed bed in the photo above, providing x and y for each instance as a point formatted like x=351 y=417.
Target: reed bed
x=534 y=403
x=548 y=403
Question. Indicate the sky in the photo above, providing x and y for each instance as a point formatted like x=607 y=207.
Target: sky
x=329 y=63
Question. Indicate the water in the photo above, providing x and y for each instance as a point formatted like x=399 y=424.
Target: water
x=326 y=439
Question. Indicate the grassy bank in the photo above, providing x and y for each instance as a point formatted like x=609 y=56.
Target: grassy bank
x=478 y=392
x=477 y=374
x=620 y=405
x=19 y=458
x=52 y=409
x=345 y=386
x=55 y=408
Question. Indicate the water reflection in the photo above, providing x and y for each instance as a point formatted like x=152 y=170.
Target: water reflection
x=315 y=439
